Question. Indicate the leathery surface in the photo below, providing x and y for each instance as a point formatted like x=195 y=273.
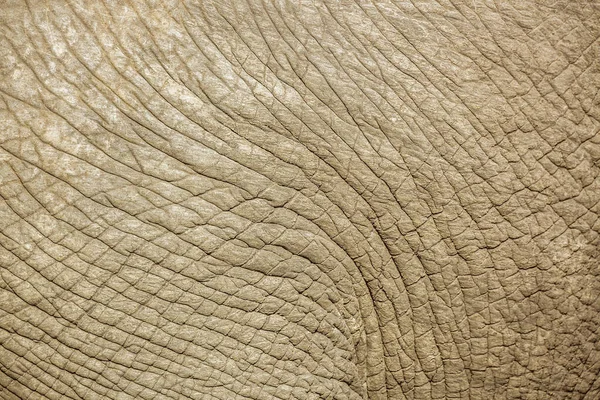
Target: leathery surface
x=299 y=200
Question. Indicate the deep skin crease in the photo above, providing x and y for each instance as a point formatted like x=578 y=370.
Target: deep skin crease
x=299 y=200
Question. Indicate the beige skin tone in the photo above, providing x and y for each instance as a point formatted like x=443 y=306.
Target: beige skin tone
x=283 y=200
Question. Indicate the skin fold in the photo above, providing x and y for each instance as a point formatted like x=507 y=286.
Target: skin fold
x=299 y=199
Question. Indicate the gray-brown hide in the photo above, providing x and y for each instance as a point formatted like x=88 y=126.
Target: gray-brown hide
x=299 y=199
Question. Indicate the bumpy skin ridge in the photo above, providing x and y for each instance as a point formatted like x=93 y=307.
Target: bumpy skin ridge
x=299 y=200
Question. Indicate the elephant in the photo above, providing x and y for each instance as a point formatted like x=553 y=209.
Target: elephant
x=327 y=199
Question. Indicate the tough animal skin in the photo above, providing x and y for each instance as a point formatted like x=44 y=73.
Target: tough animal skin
x=336 y=199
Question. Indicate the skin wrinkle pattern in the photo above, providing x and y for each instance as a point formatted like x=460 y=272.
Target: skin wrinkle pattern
x=333 y=199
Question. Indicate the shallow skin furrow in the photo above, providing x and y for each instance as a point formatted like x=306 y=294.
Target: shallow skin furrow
x=337 y=200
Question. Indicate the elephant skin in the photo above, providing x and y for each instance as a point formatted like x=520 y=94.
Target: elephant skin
x=299 y=199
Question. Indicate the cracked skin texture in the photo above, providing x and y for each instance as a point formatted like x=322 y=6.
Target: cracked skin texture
x=299 y=200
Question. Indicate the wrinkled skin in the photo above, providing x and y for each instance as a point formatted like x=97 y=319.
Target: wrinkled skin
x=272 y=200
